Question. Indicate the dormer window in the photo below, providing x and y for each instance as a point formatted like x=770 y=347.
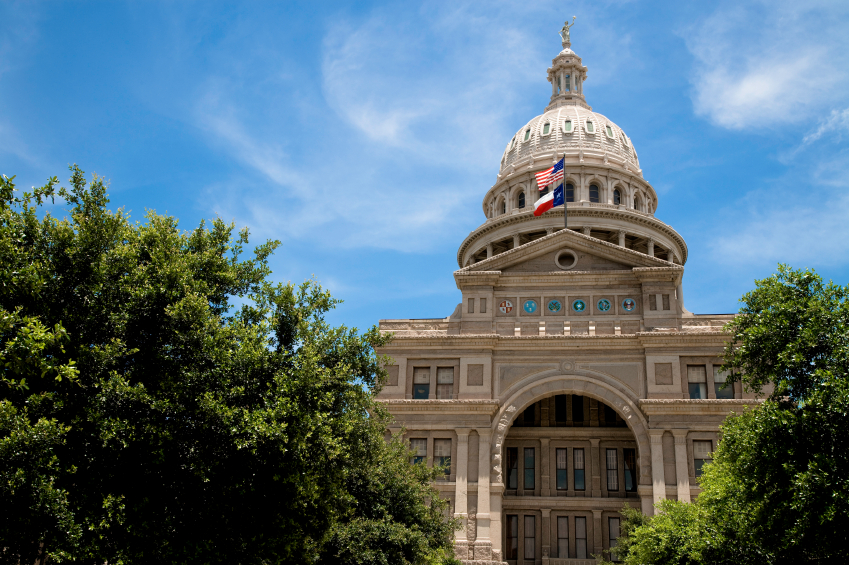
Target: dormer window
x=513 y=143
x=567 y=126
x=546 y=129
x=609 y=131
x=590 y=127
x=527 y=134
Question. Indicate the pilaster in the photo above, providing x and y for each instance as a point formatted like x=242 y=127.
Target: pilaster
x=682 y=472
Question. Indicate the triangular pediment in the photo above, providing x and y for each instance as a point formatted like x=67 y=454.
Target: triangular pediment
x=587 y=253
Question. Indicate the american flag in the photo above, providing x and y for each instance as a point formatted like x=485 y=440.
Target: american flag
x=550 y=176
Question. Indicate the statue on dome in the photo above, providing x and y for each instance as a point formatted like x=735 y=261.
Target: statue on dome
x=564 y=33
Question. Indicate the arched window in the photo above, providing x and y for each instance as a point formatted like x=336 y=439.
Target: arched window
x=617 y=197
x=593 y=193
x=503 y=207
x=569 y=193
x=521 y=199
x=527 y=134
x=636 y=202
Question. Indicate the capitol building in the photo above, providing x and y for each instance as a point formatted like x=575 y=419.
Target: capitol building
x=570 y=380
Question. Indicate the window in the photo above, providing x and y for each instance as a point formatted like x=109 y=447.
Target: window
x=421 y=382
x=562 y=469
x=569 y=193
x=701 y=455
x=527 y=134
x=512 y=550
x=483 y=305
x=546 y=129
x=590 y=127
x=609 y=131
x=637 y=203
x=578 y=463
x=567 y=126
x=419 y=447
x=563 y=537
x=512 y=467
x=530 y=535
x=521 y=200
x=503 y=207
x=471 y=305
x=530 y=467
x=566 y=83
x=719 y=380
x=578 y=409
x=617 y=197
x=560 y=408
x=609 y=415
x=697 y=381
x=442 y=454
x=612 y=470
x=630 y=456
x=593 y=193
x=613 y=536
x=529 y=415
x=445 y=383
x=581 y=537
x=665 y=299
x=513 y=142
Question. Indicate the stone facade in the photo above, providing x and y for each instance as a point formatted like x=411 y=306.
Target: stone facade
x=570 y=380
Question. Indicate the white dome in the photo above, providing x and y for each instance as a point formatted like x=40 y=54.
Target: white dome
x=606 y=139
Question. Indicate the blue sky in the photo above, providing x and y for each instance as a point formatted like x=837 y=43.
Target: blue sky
x=364 y=135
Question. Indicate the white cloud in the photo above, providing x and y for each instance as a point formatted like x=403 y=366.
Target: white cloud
x=769 y=63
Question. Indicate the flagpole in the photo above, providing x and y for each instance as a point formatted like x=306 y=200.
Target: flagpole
x=565 y=200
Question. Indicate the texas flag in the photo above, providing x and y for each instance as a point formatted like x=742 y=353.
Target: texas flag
x=549 y=201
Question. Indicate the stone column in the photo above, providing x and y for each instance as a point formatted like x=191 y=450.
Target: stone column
x=596 y=467
x=546 y=532
x=488 y=250
x=657 y=479
x=682 y=473
x=597 y=543
x=545 y=464
x=483 y=542
x=586 y=230
x=516 y=241
x=622 y=235
x=461 y=543
x=651 y=247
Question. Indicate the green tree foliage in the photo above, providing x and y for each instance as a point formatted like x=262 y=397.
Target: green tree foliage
x=164 y=402
x=777 y=490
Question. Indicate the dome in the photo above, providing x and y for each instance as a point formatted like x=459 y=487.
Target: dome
x=574 y=131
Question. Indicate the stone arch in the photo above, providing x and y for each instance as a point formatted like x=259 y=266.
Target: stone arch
x=595 y=387
x=514 y=195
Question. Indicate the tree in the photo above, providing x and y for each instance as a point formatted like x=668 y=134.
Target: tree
x=776 y=491
x=163 y=401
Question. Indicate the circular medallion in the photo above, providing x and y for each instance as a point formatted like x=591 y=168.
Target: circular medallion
x=554 y=306
x=603 y=305
x=530 y=306
x=570 y=258
x=629 y=304
x=579 y=305
x=506 y=306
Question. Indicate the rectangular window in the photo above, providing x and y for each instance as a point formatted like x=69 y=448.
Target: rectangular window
x=560 y=408
x=530 y=468
x=512 y=550
x=442 y=454
x=512 y=467
x=567 y=126
x=421 y=382
x=697 y=381
x=483 y=305
x=719 y=379
x=612 y=470
x=590 y=127
x=562 y=469
x=701 y=455
x=609 y=131
x=652 y=299
x=630 y=456
x=665 y=298
x=445 y=383
x=563 y=537
x=578 y=463
x=578 y=409
x=546 y=129
x=530 y=537
x=566 y=83
x=613 y=536
x=581 y=537
x=471 y=302
x=419 y=447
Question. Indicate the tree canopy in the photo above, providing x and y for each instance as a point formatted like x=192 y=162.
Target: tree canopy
x=164 y=401
x=776 y=491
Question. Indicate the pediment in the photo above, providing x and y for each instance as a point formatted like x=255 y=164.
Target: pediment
x=590 y=254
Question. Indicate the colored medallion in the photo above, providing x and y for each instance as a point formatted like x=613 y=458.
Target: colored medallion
x=579 y=305
x=629 y=304
x=506 y=306
x=603 y=305
x=530 y=306
x=554 y=306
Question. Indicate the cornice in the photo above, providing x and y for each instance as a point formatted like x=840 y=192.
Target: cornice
x=497 y=278
x=633 y=216
x=664 y=406
x=406 y=406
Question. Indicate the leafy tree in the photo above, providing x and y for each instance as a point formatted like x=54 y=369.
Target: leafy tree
x=776 y=491
x=163 y=402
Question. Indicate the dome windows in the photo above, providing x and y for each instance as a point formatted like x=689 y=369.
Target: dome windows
x=637 y=202
x=590 y=126
x=527 y=134
x=521 y=199
x=569 y=193
x=594 y=193
x=617 y=197
x=503 y=207
x=546 y=129
x=609 y=132
x=513 y=143
x=567 y=126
